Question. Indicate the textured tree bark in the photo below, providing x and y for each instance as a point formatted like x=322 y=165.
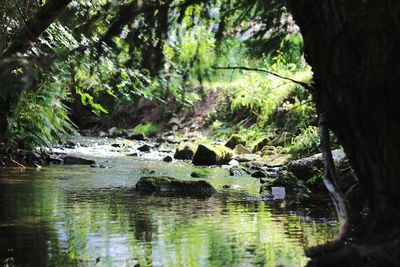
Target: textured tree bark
x=353 y=48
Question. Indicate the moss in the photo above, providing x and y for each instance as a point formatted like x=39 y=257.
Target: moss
x=185 y=151
x=235 y=140
x=169 y=185
x=200 y=173
x=212 y=155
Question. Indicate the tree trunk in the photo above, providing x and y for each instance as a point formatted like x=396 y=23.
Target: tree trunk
x=353 y=48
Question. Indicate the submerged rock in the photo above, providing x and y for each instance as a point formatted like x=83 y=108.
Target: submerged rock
x=69 y=160
x=259 y=174
x=164 y=184
x=235 y=140
x=200 y=173
x=235 y=171
x=185 y=151
x=212 y=155
x=144 y=148
x=101 y=166
x=167 y=159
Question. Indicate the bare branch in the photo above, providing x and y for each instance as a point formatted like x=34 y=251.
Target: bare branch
x=305 y=85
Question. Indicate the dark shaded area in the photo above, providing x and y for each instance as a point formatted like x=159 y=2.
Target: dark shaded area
x=356 y=88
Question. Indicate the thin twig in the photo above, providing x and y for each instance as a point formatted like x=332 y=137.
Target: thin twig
x=305 y=85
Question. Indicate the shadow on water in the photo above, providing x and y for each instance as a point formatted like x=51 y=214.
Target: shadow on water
x=74 y=215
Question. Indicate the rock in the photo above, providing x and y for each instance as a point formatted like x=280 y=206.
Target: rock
x=164 y=184
x=212 y=155
x=235 y=140
x=285 y=179
x=269 y=151
x=115 y=132
x=261 y=144
x=185 y=151
x=240 y=149
x=144 y=148
x=280 y=139
x=175 y=122
x=305 y=168
x=135 y=136
x=200 y=173
x=167 y=159
x=69 y=160
x=259 y=174
x=71 y=145
x=235 y=171
x=133 y=154
x=103 y=134
x=246 y=157
x=272 y=140
x=233 y=163
x=274 y=160
x=116 y=145
x=99 y=166
x=55 y=159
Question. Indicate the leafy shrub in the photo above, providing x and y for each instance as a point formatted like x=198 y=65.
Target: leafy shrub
x=148 y=129
x=306 y=143
x=40 y=118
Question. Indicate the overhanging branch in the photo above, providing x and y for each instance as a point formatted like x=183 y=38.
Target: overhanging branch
x=305 y=85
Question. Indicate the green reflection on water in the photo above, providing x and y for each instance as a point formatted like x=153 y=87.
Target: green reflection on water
x=74 y=216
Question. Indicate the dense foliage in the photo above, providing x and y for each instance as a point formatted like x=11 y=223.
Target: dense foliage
x=99 y=55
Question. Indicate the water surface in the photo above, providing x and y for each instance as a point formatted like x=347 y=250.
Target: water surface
x=82 y=216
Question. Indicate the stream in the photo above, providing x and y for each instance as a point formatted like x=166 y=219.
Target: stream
x=75 y=215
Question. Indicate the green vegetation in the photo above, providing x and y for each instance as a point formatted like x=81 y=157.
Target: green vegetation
x=100 y=65
x=147 y=129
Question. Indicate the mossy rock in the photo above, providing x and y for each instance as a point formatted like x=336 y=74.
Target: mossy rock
x=281 y=139
x=200 y=173
x=235 y=140
x=241 y=149
x=165 y=184
x=273 y=140
x=285 y=179
x=185 y=151
x=70 y=160
x=274 y=160
x=259 y=146
x=212 y=155
x=305 y=168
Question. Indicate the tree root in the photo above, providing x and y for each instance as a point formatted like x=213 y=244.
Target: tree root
x=336 y=195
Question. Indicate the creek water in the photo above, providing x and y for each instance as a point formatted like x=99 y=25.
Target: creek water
x=81 y=216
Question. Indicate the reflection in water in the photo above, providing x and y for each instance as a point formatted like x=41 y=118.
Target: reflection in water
x=66 y=216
